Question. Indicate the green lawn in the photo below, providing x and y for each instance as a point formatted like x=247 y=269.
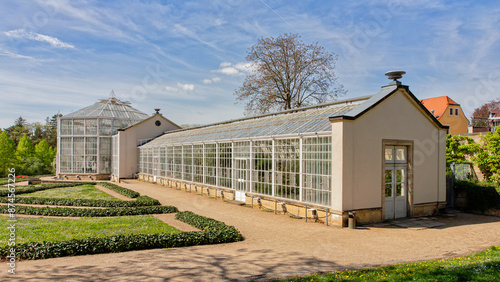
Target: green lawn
x=483 y=266
x=78 y=192
x=55 y=230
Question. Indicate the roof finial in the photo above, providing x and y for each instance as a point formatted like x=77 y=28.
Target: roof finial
x=112 y=94
x=395 y=75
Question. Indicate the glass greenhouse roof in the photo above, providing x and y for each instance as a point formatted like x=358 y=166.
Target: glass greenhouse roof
x=112 y=108
x=291 y=122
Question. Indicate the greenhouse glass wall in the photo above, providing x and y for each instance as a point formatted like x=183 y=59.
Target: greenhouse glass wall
x=284 y=155
x=84 y=137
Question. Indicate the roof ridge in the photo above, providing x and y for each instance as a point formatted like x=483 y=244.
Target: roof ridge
x=318 y=106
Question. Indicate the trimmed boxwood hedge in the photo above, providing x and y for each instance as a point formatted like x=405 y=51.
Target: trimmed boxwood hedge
x=35 y=188
x=49 y=211
x=214 y=232
x=139 y=202
x=479 y=197
x=118 y=189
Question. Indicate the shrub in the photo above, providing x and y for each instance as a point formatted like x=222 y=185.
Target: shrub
x=124 y=191
x=48 y=211
x=218 y=231
x=139 y=202
x=214 y=232
x=480 y=197
x=34 y=188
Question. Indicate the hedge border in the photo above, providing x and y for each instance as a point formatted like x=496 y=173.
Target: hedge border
x=480 y=197
x=120 y=190
x=18 y=190
x=214 y=232
x=77 y=212
x=140 y=201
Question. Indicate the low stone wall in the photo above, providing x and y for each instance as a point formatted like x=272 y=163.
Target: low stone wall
x=86 y=177
x=289 y=207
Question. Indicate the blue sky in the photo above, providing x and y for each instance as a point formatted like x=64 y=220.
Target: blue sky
x=188 y=57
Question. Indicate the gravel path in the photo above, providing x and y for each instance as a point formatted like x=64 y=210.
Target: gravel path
x=113 y=193
x=274 y=246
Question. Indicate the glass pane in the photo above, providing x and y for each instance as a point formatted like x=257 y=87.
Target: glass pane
x=388 y=176
x=91 y=127
x=105 y=126
x=399 y=175
x=389 y=154
x=388 y=190
x=401 y=154
x=66 y=126
x=399 y=189
x=78 y=127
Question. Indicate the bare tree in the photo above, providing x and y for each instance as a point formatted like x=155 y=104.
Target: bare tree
x=287 y=74
x=482 y=113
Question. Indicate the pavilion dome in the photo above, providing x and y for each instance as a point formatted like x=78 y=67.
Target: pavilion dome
x=110 y=108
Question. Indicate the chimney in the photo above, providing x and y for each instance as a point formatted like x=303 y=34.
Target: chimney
x=394 y=75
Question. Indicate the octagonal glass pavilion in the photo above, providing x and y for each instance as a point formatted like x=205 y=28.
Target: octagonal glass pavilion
x=84 y=136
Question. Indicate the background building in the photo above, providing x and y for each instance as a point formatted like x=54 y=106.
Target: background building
x=448 y=112
x=84 y=137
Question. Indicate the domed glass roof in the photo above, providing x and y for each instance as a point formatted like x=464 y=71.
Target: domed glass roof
x=111 y=108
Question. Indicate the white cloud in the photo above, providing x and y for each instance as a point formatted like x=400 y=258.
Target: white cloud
x=54 y=42
x=238 y=69
x=171 y=89
x=14 y=55
x=229 y=71
x=185 y=87
x=211 y=80
x=180 y=87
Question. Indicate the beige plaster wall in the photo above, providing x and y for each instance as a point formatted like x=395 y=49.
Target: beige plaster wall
x=396 y=118
x=129 y=138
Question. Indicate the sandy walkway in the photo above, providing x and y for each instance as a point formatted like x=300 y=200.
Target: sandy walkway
x=113 y=193
x=275 y=245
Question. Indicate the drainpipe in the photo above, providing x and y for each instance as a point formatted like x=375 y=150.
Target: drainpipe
x=438 y=170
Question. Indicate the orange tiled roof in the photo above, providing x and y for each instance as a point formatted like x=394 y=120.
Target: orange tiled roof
x=438 y=104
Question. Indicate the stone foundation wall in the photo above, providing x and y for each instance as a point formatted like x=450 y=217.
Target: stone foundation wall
x=291 y=208
x=84 y=177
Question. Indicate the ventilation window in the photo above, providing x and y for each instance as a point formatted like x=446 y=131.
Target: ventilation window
x=157 y=123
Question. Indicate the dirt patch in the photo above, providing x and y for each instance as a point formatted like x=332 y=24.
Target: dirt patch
x=113 y=193
x=169 y=218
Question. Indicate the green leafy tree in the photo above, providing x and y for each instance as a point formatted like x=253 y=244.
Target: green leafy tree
x=25 y=154
x=460 y=149
x=45 y=155
x=488 y=157
x=7 y=153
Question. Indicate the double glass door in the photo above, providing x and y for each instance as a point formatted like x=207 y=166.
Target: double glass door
x=396 y=183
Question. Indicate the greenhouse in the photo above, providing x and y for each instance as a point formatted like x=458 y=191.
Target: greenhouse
x=362 y=156
x=286 y=155
x=84 y=137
